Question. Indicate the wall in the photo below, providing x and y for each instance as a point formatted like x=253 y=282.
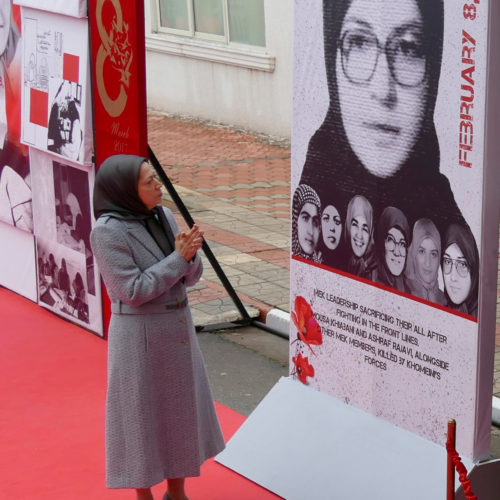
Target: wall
x=189 y=78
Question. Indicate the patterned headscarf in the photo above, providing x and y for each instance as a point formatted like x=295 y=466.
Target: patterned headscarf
x=303 y=194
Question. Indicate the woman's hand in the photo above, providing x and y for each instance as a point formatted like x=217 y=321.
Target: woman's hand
x=187 y=243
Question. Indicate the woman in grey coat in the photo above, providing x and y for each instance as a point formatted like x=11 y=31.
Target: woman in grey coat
x=160 y=417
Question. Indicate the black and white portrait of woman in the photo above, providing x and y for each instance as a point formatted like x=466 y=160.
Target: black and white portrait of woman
x=393 y=237
x=306 y=224
x=378 y=138
x=461 y=269
x=359 y=237
x=424 y=259
x=331 y=245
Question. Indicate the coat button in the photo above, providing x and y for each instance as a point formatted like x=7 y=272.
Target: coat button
x=185 y=341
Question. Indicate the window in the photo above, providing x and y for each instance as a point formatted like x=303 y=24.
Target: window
x=225 y=21
x=230 y=32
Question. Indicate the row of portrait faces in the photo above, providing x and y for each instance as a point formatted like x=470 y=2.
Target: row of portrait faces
x=388 y=251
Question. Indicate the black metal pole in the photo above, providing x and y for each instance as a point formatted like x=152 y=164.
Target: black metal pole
x=190 y=222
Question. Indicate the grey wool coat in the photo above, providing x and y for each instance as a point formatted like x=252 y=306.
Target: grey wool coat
x=160 y=417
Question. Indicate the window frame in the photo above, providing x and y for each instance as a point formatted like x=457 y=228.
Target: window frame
x=175 y=31
x=201 y=35
x=185 y=43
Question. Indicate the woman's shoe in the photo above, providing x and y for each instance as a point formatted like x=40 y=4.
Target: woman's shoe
x=166 y=496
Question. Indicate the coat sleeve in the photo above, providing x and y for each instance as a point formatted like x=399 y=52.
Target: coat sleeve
x=121 y=274
x=195 y=268
x=194 y=271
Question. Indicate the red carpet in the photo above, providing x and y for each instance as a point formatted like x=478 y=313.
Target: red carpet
x=52 y=388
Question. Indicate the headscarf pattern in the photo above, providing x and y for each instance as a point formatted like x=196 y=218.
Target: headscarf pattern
x=303 y=194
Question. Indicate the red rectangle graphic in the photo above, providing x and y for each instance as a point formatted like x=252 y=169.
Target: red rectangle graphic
x=39 y=103
x=70 y=67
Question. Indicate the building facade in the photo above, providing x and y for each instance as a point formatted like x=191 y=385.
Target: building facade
x=225 y=61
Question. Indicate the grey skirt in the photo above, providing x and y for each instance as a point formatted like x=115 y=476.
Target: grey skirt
x=160 y=417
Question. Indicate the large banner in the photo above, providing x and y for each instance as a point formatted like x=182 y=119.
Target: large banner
x=118 y=77
x=387 y=182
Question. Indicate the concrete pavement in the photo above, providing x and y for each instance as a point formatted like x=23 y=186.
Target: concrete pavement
x=243 y=365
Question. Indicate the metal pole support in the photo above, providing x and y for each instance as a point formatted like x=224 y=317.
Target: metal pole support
x=208 y=251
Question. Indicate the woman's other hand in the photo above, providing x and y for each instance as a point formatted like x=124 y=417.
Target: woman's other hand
x=187 y=243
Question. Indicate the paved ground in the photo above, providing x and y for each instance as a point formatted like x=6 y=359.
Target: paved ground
x=243 y=365
x=237 y=186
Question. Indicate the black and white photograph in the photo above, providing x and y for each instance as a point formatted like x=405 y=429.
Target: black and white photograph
x=461 y=269
x=60 y=282
x=377 y=146
x=66 y=268
x=72 y=204
x=393 y=235
x=306 y=209
x=65 y=136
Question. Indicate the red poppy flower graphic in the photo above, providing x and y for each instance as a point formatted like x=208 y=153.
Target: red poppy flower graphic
x=303 y=368
x=309 y=331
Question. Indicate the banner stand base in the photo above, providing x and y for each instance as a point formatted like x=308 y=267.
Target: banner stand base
x=302 y=444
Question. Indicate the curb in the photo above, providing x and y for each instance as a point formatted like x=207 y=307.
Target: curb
x=279 y=320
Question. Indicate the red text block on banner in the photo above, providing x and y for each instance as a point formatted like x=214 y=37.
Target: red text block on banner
x=70 y=67
x=39 y=103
